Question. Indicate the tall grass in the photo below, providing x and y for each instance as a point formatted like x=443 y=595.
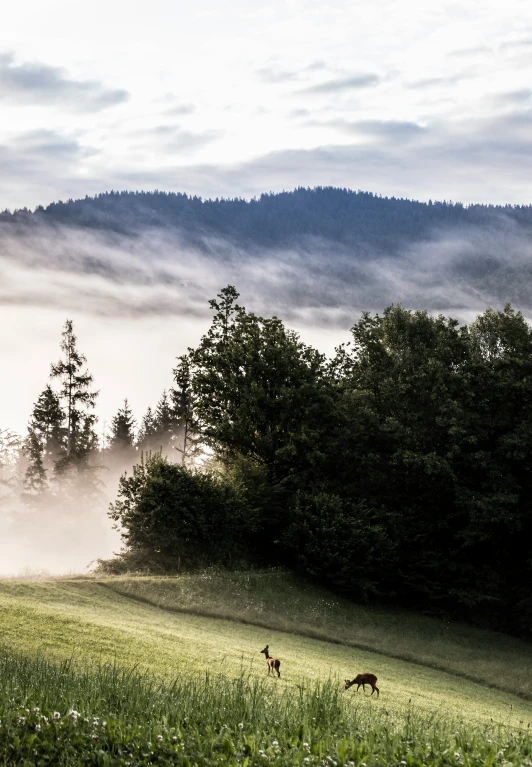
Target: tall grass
x=278 y=600
x=105 y=715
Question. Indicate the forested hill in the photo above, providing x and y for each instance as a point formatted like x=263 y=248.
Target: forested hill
x=352 y=219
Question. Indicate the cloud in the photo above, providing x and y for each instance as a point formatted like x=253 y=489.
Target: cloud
x=274 y=75
x=477 y=50
x=385 y=130
x=37 y=83
x=431 y=82
x=174 y=138
x=517 y=97
x=518 y=46
x=355 y=82
x=41 y=151
x=181 y=110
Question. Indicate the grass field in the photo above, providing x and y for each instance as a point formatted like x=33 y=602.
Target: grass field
x=155 y=652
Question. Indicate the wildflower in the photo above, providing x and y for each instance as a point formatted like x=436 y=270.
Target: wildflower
x=275 y=744
x=241 y=725
x=306 y=746
x=57 y=715
x=159 y=737
x=36 y=710
x=37 y=727
x=174 y=738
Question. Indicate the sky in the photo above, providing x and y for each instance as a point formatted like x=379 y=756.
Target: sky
x=427 y=100
x=419 y=100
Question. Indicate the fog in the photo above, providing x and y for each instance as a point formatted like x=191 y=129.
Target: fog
x=139 y=301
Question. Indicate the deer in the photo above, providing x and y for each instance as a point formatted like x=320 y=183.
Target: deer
x=273 y=663
x=363 y=679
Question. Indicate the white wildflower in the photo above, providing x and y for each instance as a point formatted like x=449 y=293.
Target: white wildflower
x=241 y=725
x=57 y=715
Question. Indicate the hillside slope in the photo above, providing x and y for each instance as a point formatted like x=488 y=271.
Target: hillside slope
x=90 y=621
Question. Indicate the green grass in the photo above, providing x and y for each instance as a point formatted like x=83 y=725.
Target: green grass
x=105 y=715
x=179 y=658
x=279 y=600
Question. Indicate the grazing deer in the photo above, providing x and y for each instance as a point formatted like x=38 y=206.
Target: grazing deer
x=363 y=679
x=273 y=663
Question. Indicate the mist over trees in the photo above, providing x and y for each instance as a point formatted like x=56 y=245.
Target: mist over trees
x=396 y=471
x=355 y=219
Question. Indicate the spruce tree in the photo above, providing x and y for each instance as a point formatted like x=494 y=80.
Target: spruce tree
x=165 y=422
x=147 y=434
x=183 y=411
x=122 y=435
x=78 y=400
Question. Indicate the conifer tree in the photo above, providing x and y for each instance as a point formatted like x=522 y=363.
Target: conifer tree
x=183 y=411
x=122 y=435
x=165 y=422
x=35 y=478
x=147 y=435
x=78 y=400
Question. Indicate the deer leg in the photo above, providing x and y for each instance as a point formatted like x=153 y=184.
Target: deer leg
x=358 y=688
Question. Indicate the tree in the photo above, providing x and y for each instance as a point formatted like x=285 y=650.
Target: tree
x=78 y=400
x=257 y=390
x=147 y=434
x=122 y=435
x=10 y=443
x=172 y=518
x=35 y=479
x=183 y=412
x=165 y=422
x=45 y=443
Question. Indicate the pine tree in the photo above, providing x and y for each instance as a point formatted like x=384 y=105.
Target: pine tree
x=78 y=400
x=122 y=435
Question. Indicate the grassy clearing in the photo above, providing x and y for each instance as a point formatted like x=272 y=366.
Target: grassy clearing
x=90 y=621
x=105 y=715
x=280 y=601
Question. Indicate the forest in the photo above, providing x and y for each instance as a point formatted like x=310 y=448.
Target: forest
x=359 y=220
x=395 y=472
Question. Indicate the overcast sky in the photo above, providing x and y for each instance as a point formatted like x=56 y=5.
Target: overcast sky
x=427 y=100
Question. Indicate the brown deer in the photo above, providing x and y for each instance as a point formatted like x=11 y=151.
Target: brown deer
x=363 y=679
x=273 y=663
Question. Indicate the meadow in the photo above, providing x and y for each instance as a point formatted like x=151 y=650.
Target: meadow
x=169 y=671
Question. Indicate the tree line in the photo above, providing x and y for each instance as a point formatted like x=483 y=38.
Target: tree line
x=397 y=471
x=62 y=459
x=361 y=221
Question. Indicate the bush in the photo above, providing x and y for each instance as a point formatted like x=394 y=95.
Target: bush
x=173 y=519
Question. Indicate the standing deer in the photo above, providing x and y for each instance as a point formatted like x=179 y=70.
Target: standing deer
x=273 y=663
x=363 y=679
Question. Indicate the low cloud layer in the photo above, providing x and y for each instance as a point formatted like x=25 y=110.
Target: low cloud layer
x=38 y=83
